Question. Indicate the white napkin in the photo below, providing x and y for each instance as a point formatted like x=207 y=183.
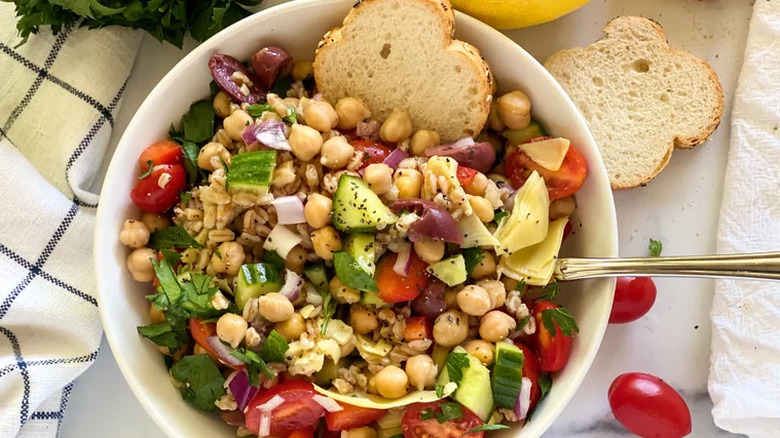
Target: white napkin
x=58 y=95
x=745 y=364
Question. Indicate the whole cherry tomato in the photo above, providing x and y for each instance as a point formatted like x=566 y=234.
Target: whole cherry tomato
x=156 y=193
x=553 y=348
x=649 y=407
x=634 y=297
x=560 y=183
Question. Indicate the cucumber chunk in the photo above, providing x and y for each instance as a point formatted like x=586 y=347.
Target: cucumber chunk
x=451 y=270
x=361 y=248
x=255 y=280
x=356 y=208
x=507 y=375
x=251 y=172
x=474 y=391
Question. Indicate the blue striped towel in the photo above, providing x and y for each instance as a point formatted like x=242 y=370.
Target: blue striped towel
x=58 y=97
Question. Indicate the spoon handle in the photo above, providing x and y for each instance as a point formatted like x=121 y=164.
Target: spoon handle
x=759 y=266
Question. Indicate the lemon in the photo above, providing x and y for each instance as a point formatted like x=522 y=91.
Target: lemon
x=511 y=14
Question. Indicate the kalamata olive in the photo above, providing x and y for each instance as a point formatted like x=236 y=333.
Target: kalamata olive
x=270 y=63
x=435 y=222
x=222 y=68
x=430 y=303
x=479 y=156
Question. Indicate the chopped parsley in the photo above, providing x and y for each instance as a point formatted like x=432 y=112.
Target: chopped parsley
x=351 y=274
x=523 y=322
x=190 y=151
x=550 y=290
x=172 y=237
x=487 y=428
x=455 y=364
x=257 y=109
x=274 y=259
x=172 y=257
x=202 y=383
x=655 y=247
x=292 y=119
x=254 y=365
x=545 y=384
x=559 y=317
x=198 y=122
x=148 y=171
x=274 y=348
x=472 y=257
x=439 y=390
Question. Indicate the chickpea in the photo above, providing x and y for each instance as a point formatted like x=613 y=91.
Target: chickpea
x=363 y=319
x=134 y=234
x=227 y=258
x=156 y=315
x=206 y=160
x=451 y=328
x=155 y=222
x=292 y=328
x=275 y=307
x=341 y=293
x=421 y=371
x=336 y=152
x=478 y=186
x=563 y=207
x=512 y=284
x=391 y=382
x=326 y=241
x=320 y=115
x=474 y=300
x=482 y=208
x=480 y=349
x=485 y=268
x=496 y=325
x=295 y=259
x=361 y=432
x=514 y=108
x=422 y=140
x=350 y=112
x=140 y=265
x=235 y=124
x=430 y=251
x=222 y=104
x=379 y=177
x=305 y=141
x=495 y=290
x=397 y=127
x=231 y=328
x=302 y=70
x=317 y=210
x=494 y=119
x=409 y=183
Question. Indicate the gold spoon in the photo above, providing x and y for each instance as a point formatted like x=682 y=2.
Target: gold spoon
x=757 y=266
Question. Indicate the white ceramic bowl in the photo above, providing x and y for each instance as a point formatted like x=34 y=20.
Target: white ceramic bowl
x=297 y=27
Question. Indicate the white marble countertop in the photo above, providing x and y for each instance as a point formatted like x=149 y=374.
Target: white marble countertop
x=680 y=207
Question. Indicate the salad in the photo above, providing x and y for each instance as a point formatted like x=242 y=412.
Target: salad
x=317 y=272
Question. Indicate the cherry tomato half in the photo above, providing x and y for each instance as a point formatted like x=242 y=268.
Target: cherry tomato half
x=553 y=349
x=531 y=370
x=413 y=427
x=634 y=297
x=560 y=183
x=149 y=196
x=374 y=152
x=649 y=407
x=299 y=410
x=201 y=331
x=417 y=328
x=394 y=288
x=161 y=152
x=466 y=175
x=352 y=416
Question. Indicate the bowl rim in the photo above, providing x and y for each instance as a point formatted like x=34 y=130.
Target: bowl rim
x=103 y=216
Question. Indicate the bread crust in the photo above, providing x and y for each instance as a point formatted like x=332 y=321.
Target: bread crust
x=446 y=22
x=618 y=34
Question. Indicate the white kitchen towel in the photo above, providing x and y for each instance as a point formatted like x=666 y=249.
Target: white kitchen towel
x=745 y=365
x=58 y=97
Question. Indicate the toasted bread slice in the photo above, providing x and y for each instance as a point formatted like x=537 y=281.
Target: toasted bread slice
x=401 y=54
x=641 y=98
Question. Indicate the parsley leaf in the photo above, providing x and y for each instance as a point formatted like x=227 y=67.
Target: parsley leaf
x=328 y=309
x=292 y=118
x=487 y=428
x=257 y=109
x=254 y=365
x=472 y=257
x=449 y=411
x=172 y=237
x=351 y=274
x=455 y=364
x=148 y=171
x=439 y=390
x=190 y=151
x=281 y=85
x=545 y=384
x=655 y=247
x=427 y=414
x=191 y=299
x=550 y=291
x=559 y=317
x=184 y=197
x=202 y=381
x=163 y=335
x=274 y=348
x=198 y=122
x=274 y=259
x=499 y=214
x=172 y=257
x=523 y=322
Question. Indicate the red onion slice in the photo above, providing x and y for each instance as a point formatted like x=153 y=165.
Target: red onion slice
x=292 y=285
x=268 y=133
x=289 y=210
x=223 y=352
x=395 y=158
x=272 y=404
x=404 y=261
x=327 y=403
x=523 y=399
x=242 y=391
x=265 y=423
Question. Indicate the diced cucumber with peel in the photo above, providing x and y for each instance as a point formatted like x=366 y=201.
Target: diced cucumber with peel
x=251 y=172
x=357 y=209
x=507 y=375
x=361 y=248
x=451 y=270
x=255 y=280
x=474 y=391
x=370 y=298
